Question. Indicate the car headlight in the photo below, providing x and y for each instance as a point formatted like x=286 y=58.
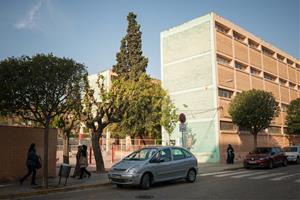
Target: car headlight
x=132 y=171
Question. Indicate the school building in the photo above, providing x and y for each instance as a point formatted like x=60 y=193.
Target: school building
x=204 y=63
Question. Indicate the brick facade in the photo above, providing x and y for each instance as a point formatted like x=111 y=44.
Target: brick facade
x=14 y=145
x=243 y=143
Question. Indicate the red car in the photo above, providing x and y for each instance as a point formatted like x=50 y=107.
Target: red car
x=267 y=157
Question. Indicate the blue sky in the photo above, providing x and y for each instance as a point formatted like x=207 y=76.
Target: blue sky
x=90 y=31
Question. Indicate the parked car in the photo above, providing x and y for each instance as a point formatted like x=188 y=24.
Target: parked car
x=154 y=164
x=268 y=157
x=293 y=153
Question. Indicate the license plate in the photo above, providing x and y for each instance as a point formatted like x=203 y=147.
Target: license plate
x=252 y=162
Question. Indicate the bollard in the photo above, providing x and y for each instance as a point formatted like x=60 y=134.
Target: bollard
x=64 y=171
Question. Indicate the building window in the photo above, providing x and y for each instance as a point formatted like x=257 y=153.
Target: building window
x=269 y=77
x=274 y=130
x=240 y=66
x=226 y=126
x=222 y=28
x=222 y=60
x=225 y=93
x=290 y=62
x=299 y=87
x=282 y=82
x=243 y=130
x=280 y=57
x=292 y=85
x=254 y=71
x=267 y=52
x=253 y=44
x=238 y=36
x=284 y=107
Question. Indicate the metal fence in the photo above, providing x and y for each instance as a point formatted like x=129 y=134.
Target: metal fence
x=113 y=150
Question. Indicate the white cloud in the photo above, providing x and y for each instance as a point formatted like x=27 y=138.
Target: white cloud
x=29 y=21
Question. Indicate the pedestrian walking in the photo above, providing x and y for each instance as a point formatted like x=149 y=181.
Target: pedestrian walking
x=77 y=166
x=83 y=162
x=230 y=154
x=33 y=162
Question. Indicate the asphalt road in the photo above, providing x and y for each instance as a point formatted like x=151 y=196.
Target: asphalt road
x=280 y=183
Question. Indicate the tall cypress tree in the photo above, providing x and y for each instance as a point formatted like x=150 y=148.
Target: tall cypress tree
x=130 y=60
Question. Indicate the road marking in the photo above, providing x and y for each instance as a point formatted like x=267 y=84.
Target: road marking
x=284 y=177
x=297 y=181
x=245 y=175
x=6 y=185
x=267 y=175
x=233 y=173
x=213 y=173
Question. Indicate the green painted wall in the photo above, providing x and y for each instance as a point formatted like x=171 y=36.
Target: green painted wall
x=187 y=53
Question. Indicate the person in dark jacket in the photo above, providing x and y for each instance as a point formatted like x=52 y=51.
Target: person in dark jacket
x=31 y=164
x=230 y=154
x=83 y=162
x=77 y=166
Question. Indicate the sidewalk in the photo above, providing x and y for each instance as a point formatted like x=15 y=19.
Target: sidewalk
x=14 y=190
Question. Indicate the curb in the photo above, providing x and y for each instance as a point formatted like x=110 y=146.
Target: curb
x=51 y=190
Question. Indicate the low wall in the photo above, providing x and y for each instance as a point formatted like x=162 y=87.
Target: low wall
x=14 y=145
x=244 y=143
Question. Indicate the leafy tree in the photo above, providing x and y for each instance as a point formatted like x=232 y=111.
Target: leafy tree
x=38 y=89
x=145 y=108
x=253 y=110
x=98 y=113
x=144 y=104
x=130 y=61
x=293 y=117
x=169 y=117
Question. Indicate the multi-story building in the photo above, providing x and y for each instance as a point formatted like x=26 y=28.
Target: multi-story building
x=208 y=60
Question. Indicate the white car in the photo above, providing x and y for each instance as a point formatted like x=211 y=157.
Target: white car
x=293 y=153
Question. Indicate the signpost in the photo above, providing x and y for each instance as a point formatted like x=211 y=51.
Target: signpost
x=182 y=125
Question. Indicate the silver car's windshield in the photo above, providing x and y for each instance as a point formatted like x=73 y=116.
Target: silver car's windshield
x=142 y=154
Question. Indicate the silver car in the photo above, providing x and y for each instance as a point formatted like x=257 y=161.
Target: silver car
x=154 y=164
x=293 y=153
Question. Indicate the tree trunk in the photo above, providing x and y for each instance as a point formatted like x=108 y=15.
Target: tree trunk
x=97 y=153
x=141 y=136
x=45 y=161
x=255 y=140
x=66 y=148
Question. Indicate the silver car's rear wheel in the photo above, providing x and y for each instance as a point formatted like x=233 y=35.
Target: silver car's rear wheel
x=145 y=182
x=191 y=176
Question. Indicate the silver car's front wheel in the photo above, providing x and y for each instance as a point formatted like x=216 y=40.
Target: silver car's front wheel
x=145 y=182
x=191 y=176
